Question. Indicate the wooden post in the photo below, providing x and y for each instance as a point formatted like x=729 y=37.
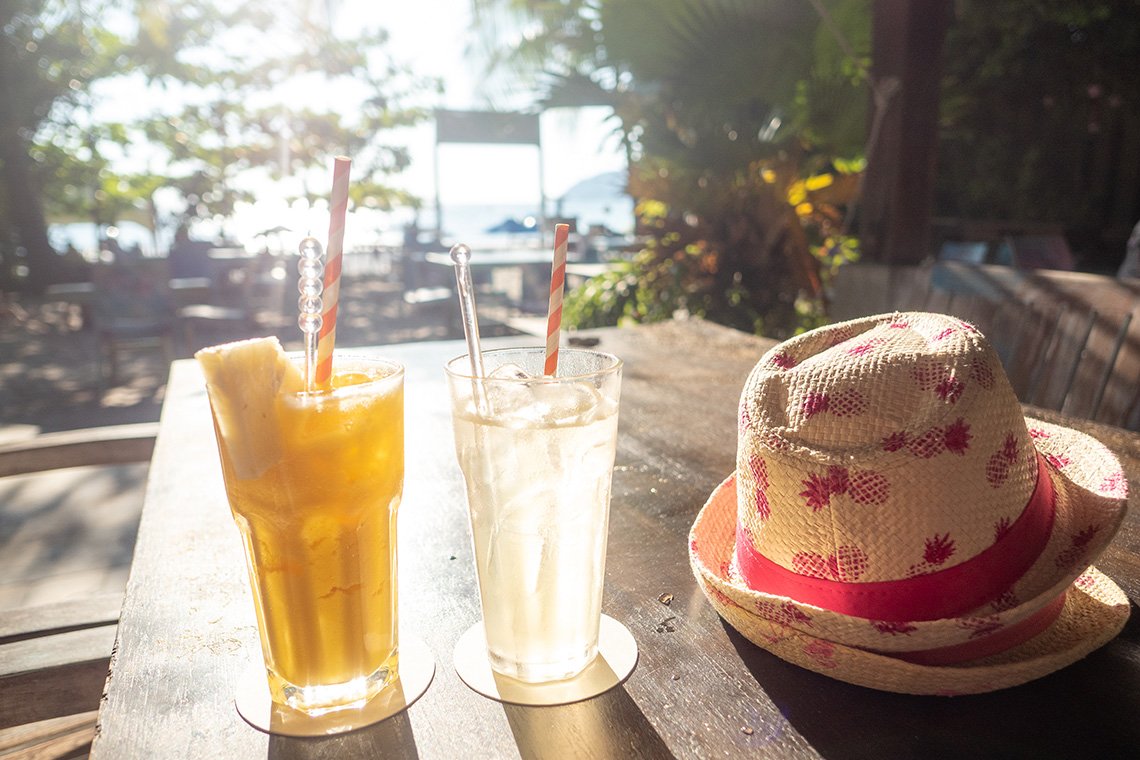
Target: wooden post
x=898 y=192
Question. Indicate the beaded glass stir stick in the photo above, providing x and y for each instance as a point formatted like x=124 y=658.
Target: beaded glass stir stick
x=310 y=286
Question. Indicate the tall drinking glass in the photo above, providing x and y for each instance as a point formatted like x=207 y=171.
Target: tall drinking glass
x=537 y=455
x=319 y=528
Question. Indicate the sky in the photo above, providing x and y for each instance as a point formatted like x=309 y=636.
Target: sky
x=431 y=36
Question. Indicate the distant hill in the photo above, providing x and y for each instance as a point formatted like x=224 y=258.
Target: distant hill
x=610 y=185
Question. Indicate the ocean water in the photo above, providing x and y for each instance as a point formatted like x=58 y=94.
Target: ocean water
x=85 y=237
x=469 y=224
x=473 y=224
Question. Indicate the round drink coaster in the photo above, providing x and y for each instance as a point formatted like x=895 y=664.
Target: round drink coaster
x=416 y=671
x=617 y=656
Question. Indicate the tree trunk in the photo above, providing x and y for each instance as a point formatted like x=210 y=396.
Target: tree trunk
x=26 y=214
x=898 y=194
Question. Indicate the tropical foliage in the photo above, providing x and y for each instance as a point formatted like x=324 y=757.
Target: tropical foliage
x=681 y=266
x=1040 y=113
x=725 y=105
x=1039 y=116
x=221 y=80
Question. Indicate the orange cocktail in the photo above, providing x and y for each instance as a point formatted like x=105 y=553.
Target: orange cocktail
x=317 y=513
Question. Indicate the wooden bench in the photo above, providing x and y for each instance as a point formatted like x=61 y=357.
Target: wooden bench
x=109 y=445
x=54 y=658
x=131 y=309
x=420 y=296
x=1069 y=341
x=186 y=291
x=195 y=317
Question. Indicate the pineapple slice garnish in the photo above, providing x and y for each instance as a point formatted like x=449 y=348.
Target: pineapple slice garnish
x=244 y=380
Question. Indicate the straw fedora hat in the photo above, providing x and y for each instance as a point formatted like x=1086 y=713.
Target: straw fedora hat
x=895 y=521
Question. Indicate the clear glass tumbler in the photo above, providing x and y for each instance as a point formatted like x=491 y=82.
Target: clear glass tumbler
x=537 y=455
x=319 y=528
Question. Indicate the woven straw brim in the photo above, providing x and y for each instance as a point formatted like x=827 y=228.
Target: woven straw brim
x=1090 y=491
x=1095 y=611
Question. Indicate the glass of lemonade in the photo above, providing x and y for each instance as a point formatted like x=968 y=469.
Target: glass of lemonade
x=314 y=480
x=537 y=454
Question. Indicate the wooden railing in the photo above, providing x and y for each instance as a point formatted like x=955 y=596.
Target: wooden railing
x=1069 y=341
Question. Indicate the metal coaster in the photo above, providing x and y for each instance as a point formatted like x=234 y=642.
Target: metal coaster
x=617 y=657
x=416 y=669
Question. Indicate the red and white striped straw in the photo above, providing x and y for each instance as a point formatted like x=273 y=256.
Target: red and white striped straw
x=338 y=208
x=554 y=313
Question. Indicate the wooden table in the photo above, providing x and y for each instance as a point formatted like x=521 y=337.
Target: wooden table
x=700 y=690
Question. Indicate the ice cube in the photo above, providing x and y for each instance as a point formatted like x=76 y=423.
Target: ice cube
x=532 y=400
x=510 y=401
x=509 y=371
x=562 y=404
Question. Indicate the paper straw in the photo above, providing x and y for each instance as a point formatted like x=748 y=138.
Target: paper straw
x=554 y=313
x=338 y=208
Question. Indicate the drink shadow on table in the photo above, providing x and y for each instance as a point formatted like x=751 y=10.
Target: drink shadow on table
x=609 y=725
x=1088 y=709
x=391 y=738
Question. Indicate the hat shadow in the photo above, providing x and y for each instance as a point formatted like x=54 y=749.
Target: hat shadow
x=1088 y=709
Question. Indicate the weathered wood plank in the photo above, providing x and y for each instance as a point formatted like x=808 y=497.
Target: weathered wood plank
x=1121 y=401
x=52 y=676
x=54 y=739
x=113 y=444
x=30 y=622
x=699 y=691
